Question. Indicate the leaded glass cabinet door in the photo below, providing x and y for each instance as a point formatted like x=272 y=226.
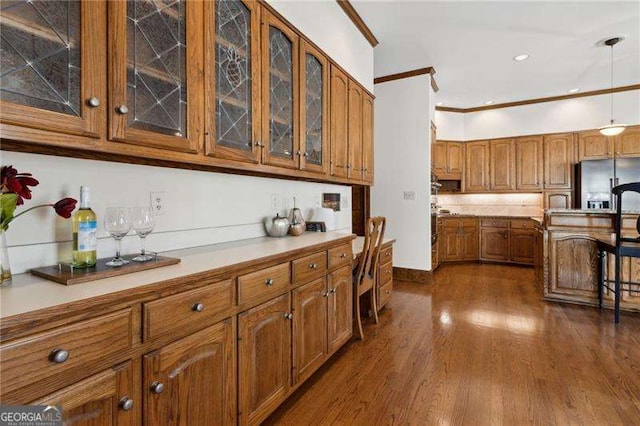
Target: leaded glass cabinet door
x=233 y=80
x=314 y=109
x=279 y=93
x=53 y=59
x=155 y=90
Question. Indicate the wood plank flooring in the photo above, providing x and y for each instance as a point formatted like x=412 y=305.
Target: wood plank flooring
x=478 y=346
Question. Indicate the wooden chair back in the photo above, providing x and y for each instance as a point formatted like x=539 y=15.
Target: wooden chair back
x=618 y=191
x=370 y=257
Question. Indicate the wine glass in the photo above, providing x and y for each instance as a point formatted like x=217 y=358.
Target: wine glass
x=117 y=223
x=143 y=224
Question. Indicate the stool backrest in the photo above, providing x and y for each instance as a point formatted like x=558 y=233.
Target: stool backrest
x=618 y=191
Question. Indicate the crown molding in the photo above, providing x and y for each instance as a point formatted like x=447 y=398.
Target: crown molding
x=406 y=74
x=540 y=100
x=357 y=20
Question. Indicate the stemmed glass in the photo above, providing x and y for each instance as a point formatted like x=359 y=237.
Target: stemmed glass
x=143 y=224
x=117 y=223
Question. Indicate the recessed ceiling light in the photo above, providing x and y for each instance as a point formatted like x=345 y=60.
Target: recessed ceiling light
x=520 y=58
x=489 y=103
x=440 y=104
x=576 y=90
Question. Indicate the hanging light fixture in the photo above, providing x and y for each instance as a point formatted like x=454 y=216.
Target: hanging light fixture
x=612 y=128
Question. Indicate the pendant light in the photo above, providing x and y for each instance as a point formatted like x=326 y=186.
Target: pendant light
x=612 y=128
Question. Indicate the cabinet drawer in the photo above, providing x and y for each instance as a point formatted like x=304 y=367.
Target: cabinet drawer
x=385 y=293
x=522 y=224
x=53 y=358
x=256 y=285
x=494 y=223
x=386 y=254
x=339 y=256
x=470 y=221
x=186 y=312
x=309 y=267
x=386 y=273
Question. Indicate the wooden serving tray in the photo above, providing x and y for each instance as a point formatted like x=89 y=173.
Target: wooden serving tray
x=64 y=275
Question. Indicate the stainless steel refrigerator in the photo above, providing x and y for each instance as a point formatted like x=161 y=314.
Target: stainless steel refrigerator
x=595 y=178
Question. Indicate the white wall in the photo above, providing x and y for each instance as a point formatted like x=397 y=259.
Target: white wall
x=324 y=22
x=200 y=207
x=548 y=117
x=402 y=161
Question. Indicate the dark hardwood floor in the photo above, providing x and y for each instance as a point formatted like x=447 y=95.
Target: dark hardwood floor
x=478 y=346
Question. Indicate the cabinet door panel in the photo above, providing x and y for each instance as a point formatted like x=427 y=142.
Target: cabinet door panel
x=279 y=93
x=355 y=131
x=628 y=143
x=264 y=355
x=155 y=98
x=340 y=308
x=557 y=199
x=558 y=161
x=314 y=110
x=439 y=158
x=367 y=139
x=502 y=165
x=53 y=63
x=522 y=246
x=339 y=123
x=233 y=74
x=469 y=242
x=97 y=400
x=455 y=158
x=309 y=328
x=198 y=375
x=529 y=163
x=494 y=244
x=477 y=167
x=592 y=145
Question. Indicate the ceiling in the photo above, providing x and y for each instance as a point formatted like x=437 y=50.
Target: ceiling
x=472 y=44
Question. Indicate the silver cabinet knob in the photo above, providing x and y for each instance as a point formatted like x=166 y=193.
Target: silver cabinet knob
x=125 y=403
x=122 y=109
x=258 y=143
x=198 y=307
x=313 y=265
x=93 y=102
x=326 y=294
x=288 y=315
x=269 y=282
x=59 y=356
x=157 y=387
x=305 y=155
x=333 y=290
x=343 y=255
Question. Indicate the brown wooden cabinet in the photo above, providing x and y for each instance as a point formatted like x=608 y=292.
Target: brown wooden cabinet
x=494 y=244
x=111 y=397
x=155 y=86
x=367 y=139
x=507 y=240
x=529 y=163
x=192 y=380
x=476 y=172
x=339 y=123
x=592 y=145
x=558 y=199
x=384 y=286
x=558 y=161
x=538 y=260
x=309 y=328
x=447 y=159
x=264 y=358
x=627 y=144
x=355 y=168
x=502 y=165
x=522 y=246
x=461 y=239
x=340 y=308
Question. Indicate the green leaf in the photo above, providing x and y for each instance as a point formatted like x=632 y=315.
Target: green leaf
x=7 y=208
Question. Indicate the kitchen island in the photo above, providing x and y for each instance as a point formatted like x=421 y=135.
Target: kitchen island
x=569 y=261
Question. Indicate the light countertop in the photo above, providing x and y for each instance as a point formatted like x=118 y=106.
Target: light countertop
x=589 y=211
x=28 y=293
x=358 y=243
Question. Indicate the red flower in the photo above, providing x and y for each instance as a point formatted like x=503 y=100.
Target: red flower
x=17 y=183
x=65 y=206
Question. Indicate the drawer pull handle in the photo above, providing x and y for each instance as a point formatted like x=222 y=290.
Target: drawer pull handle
x=313 y=265
x=93 y=102
x=333 y=290
x=126 y=403
x=269 y=282
x=157 y=387
x=198 y=307
x=343 y=255
x=325 y=294
x=59 y=356
x=122 y=110
x=288 y=315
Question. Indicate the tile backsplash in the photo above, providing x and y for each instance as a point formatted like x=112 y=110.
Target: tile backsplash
x=493 y=204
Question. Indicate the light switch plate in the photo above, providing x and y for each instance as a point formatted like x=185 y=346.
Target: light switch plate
x=409 y=195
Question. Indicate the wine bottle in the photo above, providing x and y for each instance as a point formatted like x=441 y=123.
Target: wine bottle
x=85 y=224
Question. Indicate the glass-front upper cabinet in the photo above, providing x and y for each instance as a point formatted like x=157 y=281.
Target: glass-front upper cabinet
x=314 y=109
x=52 y=74
x=280 y=117
x=233 y=74
x=155 y=56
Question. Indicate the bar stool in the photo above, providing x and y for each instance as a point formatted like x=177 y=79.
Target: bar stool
x=618 y=246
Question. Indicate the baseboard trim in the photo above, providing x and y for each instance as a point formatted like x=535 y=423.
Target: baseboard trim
x=415 y=275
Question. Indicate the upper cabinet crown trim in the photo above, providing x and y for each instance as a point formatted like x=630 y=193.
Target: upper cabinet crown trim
x=406 y=74
x=357 y=20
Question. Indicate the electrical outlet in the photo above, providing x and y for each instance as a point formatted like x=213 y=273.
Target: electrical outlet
x=275 y=202
x=157 y=203
x=410 y=195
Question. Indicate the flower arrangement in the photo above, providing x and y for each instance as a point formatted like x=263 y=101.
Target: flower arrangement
x=14 y=189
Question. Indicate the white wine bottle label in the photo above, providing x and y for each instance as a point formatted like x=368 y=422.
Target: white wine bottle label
x=87 y=240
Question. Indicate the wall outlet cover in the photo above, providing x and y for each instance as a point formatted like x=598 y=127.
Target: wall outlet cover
x=409 y=195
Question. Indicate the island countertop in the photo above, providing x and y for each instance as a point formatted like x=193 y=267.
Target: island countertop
x=28 y=293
